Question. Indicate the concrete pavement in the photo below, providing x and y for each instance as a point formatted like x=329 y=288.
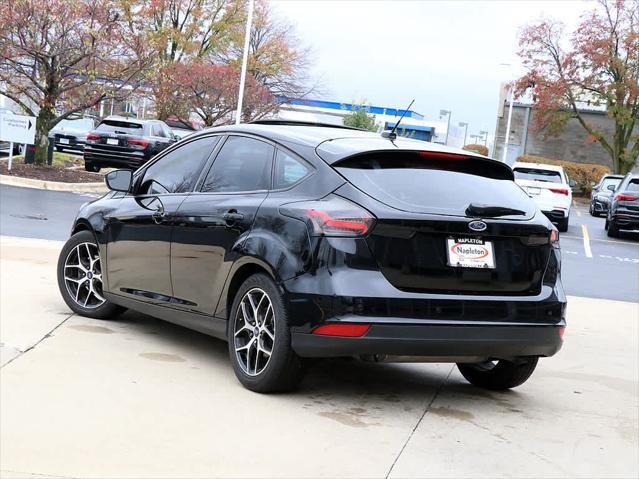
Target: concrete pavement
x=137 y=397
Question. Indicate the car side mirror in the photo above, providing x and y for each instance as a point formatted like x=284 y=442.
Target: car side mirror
x=611 y=187
x=592 y=183
x=572 y=183
x=119 y=180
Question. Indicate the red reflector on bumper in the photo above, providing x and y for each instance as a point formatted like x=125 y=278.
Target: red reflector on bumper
x=561 y=331
x=348 y=330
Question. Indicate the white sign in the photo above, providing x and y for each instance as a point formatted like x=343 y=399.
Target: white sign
x=470 y=253
x=17 y=128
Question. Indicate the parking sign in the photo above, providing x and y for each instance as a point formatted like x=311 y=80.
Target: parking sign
x=17 y=128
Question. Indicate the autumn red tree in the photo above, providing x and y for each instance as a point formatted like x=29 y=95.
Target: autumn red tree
x=59 y=57
x=598 y=65
x=210 y=91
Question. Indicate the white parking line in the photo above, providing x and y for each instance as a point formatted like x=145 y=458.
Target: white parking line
x=584 y=231
x=601 y=240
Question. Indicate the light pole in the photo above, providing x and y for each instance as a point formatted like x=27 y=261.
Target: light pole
x=464 y=125
x=510 y=112
x=247 y=38
x=484 y=133
x=449 y=113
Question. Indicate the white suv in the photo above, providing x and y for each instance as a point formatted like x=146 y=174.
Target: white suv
x=549 y=186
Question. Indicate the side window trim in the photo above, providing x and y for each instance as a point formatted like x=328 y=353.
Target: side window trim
x=207 y=168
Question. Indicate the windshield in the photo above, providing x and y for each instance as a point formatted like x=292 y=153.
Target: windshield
x=536 y=174
x=123 y=127
x=77 y=124
x=633 y=186
x=610 y=181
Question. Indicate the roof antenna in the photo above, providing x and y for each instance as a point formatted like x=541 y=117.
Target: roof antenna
x=391 y=135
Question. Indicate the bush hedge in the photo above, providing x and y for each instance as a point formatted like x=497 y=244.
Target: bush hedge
x=582 y=173
x=481 y=149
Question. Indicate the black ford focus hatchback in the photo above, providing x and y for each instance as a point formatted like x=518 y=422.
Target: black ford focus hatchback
x=294 y=241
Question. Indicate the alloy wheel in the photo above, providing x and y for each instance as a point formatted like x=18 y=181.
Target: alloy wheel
x=83 y=276
x=254 y=331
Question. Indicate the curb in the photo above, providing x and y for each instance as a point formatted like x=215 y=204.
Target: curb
x=53 y=185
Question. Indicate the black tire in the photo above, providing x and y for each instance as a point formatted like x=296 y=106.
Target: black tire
x=58 y=148
x=106 y=310
x=562 y=225
x=500 y=375
x=90 y=166
x=283 y=369
x=613 y=229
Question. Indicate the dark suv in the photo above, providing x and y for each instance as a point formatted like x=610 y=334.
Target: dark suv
x=624 y=207
x=125 y=143
x=294 y=241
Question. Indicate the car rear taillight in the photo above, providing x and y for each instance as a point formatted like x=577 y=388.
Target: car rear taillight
x=345 y=330
x=138 y=144
x=559 y=191
x=92 y=137
x=440 y=155
x=331 y=216
x=622 y=197
x=554 y=237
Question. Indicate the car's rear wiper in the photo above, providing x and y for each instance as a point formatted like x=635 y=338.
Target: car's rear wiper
x=488 y=211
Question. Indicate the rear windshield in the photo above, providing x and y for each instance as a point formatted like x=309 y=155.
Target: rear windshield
x=420 y=188
x=633 y=185
x=123 y=127
x=536 y=174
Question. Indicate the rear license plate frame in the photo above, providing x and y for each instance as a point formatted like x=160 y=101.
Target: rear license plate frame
x=112 y=141
x=470 y=256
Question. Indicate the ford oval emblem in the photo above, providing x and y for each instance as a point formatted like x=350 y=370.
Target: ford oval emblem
x=477 y=225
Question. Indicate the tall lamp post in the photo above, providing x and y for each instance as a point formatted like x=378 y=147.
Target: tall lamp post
x=247 y=38
x=444 y=113
x=484 y=134
x=464 y=125
x=510 y=112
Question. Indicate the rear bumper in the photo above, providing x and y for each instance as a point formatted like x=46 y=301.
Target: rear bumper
x=625 y=219
x=132 y=160
x=452 y=341
x=556 y=214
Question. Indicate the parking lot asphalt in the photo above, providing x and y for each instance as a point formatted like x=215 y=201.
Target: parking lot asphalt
x=599 y=267
x=137 y=397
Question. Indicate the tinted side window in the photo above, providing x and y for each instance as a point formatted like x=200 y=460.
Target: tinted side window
x=243 y=164
x=288 y=170
x=178 y=171
x=156 y=130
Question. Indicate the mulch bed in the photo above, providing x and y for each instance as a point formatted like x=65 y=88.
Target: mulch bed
x=50 y=173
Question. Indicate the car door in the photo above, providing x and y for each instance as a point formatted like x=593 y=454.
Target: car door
x=213 y=222
x=139 y=229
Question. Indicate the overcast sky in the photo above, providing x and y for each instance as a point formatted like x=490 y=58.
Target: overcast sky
x=445 y=54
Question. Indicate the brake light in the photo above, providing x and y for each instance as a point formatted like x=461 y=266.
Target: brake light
x=438 y=155
x=92 y=136
x=559 y=191
x=622 y=197
x=347 y=330
x=554 y=237
x=139 y=143
x=331 y=216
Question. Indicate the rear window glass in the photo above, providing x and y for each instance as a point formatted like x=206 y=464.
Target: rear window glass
x=536 y=174
x=633 y=185
x=423 y=188
x=123 y=127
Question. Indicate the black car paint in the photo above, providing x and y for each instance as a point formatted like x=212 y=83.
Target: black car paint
x=324 y=279
x=601 y=197
x=625 y=214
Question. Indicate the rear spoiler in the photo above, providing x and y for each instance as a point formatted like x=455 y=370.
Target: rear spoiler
x=434 y=160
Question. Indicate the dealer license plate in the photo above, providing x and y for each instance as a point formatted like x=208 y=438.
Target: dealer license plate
x=112 y=141
x=64 y=141
x=533 y=191
x=470 y=253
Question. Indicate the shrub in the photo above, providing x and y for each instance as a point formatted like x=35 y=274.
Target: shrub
x=583 y=173
x=481 y=149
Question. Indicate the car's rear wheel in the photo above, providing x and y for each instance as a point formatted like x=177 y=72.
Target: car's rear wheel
x=498 y=375
x=90 y=166
x=80 y=278
x=613 y=229
x=259 y=338
x=562 y=225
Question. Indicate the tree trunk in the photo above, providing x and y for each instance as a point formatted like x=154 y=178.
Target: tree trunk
x=43 y=125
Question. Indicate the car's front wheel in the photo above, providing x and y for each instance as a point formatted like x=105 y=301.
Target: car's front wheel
x=90 y=166
x=259 y=338
x=498 y=375
x=80 y=278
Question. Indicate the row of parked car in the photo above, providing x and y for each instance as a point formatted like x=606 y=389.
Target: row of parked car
x=617 y=198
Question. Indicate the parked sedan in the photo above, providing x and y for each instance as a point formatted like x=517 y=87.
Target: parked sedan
x=124 y=142
x=71 y=134
x=293 y=241
x=601 y=194
x=624 y=208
